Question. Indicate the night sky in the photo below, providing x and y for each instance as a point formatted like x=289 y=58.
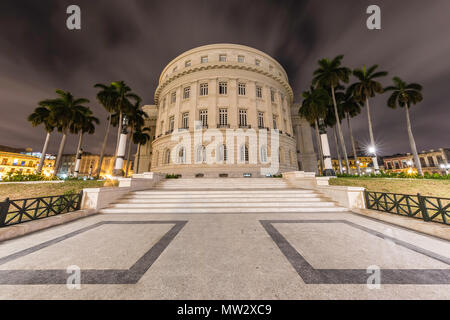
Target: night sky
x=133 y=40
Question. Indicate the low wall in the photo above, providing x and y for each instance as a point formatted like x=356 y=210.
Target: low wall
x=348 y=197
x=99 y=198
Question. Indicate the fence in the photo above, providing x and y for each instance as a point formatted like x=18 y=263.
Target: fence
x=23 y=210
x=416 y=206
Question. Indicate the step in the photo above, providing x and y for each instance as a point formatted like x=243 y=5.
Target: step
x=228 y=192
x=223 y=210
x=224 y=204
x=207 y=198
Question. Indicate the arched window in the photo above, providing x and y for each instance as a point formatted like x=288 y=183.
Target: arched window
x=244 y=153
x=167 y=157
x=263 y=154
x=201 y=154
x=222 y=153
x=181 y=155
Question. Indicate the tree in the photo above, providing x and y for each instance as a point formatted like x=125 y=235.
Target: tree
x=135 y=119
x=84 y=122
x=65 y=111
x=140 y=137
x=366 y=88
x=405 y=95
x=330 y=74
x=314 y=107
x=42 y=115
x=351 y=108
x=107 y=97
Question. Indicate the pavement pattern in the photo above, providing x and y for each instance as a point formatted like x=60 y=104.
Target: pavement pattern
x=226 y=256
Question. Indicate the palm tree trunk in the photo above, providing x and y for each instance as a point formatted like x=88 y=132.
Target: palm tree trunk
x=319 y=146
x=138 y=157
x=78 y=156
x=341 y=136
x=337 y=150
x=102 y=152
x=353 y=145
x=130 y=135
x=412 y=142
x=60 y=152
x=44 y=152
x=372 y=140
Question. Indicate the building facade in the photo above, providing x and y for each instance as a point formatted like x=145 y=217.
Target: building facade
x=225 y=110
x=432 y=161
x=89 y=166
x=12 y=162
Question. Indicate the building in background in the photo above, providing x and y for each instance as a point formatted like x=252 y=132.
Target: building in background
x=23 y=163
x=432 y=161
x=89 y=165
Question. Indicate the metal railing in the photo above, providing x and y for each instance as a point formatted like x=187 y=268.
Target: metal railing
x=416 y=206
x=23 y=210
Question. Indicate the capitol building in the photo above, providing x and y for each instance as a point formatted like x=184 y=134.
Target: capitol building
x=225 y=110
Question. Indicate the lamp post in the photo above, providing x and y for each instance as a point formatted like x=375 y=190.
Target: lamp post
x=445 y=167
x=118 y=166
x=373 y=153
x=328 y=170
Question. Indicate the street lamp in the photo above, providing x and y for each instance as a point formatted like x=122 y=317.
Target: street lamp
x=445 y=167
x=118 y=166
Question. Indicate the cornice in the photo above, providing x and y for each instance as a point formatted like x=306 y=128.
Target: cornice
x=226 y=65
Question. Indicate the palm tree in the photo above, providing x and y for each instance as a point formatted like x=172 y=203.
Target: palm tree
x=314 y=107
x=366 y=88
x=405 y=95
x=140 y=137
x=107 y=97
x=329 y=74
x=65 y=111
x=136 y=119
x=351 y=108
x=84 y=122
x=42 y=115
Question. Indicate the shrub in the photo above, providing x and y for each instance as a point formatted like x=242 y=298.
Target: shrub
x=172 y=176
x=402 y=174
x=18 y=177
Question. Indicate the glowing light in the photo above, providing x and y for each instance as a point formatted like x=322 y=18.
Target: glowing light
x=410 y=171
x=372 y=149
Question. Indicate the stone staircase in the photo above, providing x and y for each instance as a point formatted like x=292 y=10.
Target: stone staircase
x=228 y=195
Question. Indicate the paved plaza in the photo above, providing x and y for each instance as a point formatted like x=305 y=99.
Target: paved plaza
x=314 y=255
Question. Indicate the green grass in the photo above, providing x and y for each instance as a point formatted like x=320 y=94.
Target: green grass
x=21 y=191
x=426 y=187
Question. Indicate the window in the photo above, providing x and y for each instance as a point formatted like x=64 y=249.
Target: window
x=204 y=89
x=272 y=95
x=204 y=118
x=186 y=92
x=223 y=117
x=171 y=123
x=187 y=63
x=241 y=59
x=5 y=161
x=263 y=154
x=242 y=118
x=185 y=124
x=173 y=97
x=422 y=162
x=167 y=158
x=431 y=161
x=260 y=120
x=15 y=161
x=222 y=57
x=22 y=163
x=275 y=122
x=258 y=92
x=201 y=154
x=223 y=87
x=241 y=89
x=389 y=165
x=204 y=59
x=181 y=155
x=257 y=62
x=396 y=165
x=244 y=153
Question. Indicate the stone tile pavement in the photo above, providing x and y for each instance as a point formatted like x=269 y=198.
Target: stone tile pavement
x=225 y=256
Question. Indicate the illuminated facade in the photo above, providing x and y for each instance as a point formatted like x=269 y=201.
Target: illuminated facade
x=89 y=166
x=223 y=89
x=432 y=161
x=11 y=163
